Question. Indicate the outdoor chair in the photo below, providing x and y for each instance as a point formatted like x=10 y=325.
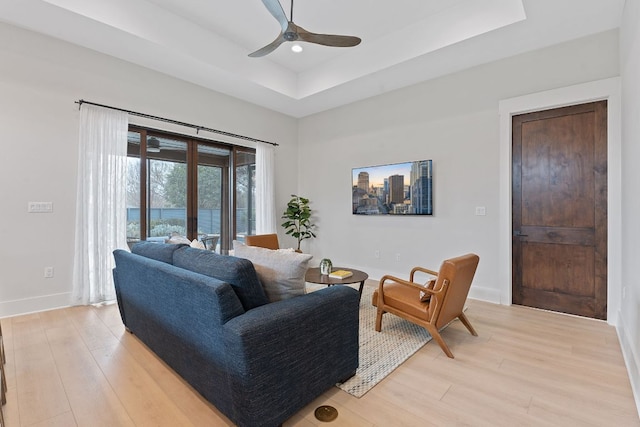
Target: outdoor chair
x=210 y=242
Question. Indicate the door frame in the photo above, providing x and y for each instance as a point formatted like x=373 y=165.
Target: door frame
x=607 y=89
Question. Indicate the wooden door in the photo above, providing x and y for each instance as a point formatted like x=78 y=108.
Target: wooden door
x=560 y=209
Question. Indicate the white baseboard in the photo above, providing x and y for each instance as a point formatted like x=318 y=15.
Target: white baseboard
x=631 y=359
x=484 y=294
x=33 y=305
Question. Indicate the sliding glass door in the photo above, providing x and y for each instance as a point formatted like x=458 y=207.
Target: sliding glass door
x=181 y=186
x=166 y=188
x=213 y=201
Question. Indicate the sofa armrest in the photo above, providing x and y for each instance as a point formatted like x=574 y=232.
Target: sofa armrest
x=185 y=302
x=296 y=348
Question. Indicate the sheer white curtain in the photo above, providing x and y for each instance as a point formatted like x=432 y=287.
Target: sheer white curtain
x=101 y=220
x=265 y=190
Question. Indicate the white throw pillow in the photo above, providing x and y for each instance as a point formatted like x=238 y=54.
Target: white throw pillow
x=197 y=244
x=280 y=271
x=177 y=239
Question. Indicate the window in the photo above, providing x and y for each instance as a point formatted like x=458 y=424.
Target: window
x=189 y=187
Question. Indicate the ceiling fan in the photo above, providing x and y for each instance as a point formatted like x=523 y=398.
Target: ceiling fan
x=291 y=32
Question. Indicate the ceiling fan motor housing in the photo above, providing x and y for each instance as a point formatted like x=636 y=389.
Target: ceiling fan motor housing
x=290 y=36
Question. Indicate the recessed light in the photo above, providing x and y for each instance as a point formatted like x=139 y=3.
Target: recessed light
x=296 y=48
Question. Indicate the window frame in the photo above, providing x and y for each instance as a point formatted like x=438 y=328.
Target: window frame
x=229 y=182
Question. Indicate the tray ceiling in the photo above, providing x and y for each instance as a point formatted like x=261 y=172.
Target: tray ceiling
x=206 y=42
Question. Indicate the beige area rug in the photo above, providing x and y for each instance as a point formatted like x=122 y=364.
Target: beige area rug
x=381 y=352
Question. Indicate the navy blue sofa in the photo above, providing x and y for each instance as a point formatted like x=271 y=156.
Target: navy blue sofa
x=207 y=316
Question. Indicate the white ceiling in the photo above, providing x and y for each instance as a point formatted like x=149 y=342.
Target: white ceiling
x=206 y=42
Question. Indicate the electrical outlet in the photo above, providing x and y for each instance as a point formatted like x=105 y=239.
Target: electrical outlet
x=481 y=211
x=376 y=254
x=48 y=272
x=397 y=257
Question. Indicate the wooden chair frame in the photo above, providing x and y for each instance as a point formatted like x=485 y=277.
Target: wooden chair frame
x=268 y=241
x=438 y=298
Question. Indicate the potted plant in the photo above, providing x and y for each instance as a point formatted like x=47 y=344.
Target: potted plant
x=298 y=219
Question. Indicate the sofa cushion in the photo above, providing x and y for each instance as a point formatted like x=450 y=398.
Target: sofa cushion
x=237 y=272
x=281 y=271
x=155 y=250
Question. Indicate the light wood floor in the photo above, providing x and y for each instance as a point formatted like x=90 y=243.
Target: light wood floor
x=78 y=367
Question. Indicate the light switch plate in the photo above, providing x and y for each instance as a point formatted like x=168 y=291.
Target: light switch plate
x=40 y=207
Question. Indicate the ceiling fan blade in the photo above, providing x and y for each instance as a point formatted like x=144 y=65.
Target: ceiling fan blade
x=275 y=8
x=328 y=39
x=268 y=48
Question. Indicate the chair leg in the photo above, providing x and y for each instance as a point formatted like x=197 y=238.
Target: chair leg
x=466 y=323
x=4 y=378
x=379 y=319
x=3 y=389
x=3 y=359
x=4 y=381
x=443 y=345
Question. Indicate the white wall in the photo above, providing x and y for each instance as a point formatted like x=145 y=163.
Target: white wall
x=452 y=120
x=629 y=324
x=40 y=78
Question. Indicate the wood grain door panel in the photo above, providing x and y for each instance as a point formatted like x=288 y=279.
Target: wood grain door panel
x=559 y=209
x=568 y=269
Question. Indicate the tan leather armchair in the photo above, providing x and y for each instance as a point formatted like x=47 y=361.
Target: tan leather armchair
x=443 y=300
x=269 y=241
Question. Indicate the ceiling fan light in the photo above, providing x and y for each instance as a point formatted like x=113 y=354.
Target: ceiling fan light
x=296 y=48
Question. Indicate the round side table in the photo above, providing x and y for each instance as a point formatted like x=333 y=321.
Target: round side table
x=313 y=276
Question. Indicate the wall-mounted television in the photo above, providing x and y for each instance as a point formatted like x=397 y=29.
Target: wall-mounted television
x=393 y=189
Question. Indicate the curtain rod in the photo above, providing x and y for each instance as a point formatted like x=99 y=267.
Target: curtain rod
x=176 y=122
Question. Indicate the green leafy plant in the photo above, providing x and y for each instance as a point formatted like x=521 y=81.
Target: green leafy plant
x=298 y=219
